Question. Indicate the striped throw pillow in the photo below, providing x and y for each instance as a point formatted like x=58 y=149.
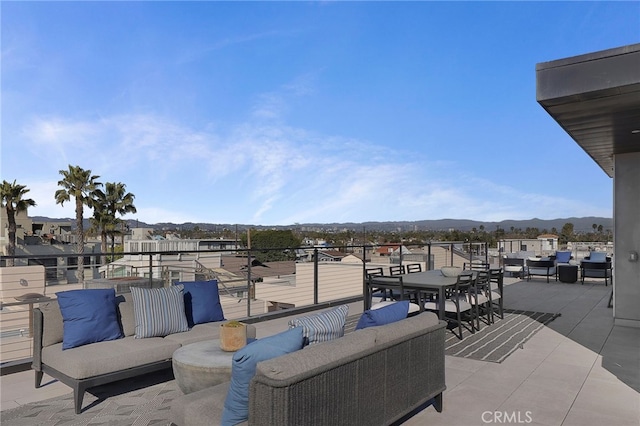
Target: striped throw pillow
x=327 y=325
x=159 y=311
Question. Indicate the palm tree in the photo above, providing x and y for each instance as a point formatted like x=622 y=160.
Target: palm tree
x=81 y=185
x=115 y=200
x=12 y=200
x=102 y=223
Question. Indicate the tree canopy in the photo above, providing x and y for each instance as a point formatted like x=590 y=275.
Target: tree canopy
x=278 y=243
x=12 y=199
x=81 y=185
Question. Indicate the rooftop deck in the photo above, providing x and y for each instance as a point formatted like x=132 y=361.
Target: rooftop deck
x=578 y=370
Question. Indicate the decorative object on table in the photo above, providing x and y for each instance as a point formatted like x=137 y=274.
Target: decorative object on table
x=451 y=271
x=233 y=336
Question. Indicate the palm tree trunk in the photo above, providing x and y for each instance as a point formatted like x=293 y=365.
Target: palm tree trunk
x=103 y=248
x=80 y=242
x=11 y=247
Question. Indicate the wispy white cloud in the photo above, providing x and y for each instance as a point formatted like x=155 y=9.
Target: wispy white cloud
x=265 y=170
x=275 y=175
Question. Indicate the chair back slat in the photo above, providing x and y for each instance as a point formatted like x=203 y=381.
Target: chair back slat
x=414 y=267
x=396 y=270
x=475 y=266
x=374 y=272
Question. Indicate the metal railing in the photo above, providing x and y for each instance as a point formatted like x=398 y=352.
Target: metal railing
x=252 y=287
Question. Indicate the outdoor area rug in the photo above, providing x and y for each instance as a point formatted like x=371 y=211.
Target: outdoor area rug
x=495 y=342
x=141 y=401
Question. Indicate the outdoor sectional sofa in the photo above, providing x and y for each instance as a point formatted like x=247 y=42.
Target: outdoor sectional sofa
x=93 y=364
x=372 y=376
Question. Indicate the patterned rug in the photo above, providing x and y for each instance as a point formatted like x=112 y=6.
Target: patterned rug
x=495 y=342
x=141 y=401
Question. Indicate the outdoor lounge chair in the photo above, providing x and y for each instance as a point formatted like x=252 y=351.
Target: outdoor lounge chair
x=596 y=265
x=514 y=265
x=543 y=267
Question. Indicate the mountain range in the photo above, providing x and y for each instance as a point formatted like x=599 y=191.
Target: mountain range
x=580 y=225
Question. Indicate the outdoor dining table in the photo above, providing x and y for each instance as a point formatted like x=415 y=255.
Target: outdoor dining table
x=432 y=281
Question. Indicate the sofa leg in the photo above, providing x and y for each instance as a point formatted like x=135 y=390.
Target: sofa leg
x=78 y=396
x=39 y=375
x=438 y=402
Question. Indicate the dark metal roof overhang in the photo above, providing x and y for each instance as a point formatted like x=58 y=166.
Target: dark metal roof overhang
x=596 y=99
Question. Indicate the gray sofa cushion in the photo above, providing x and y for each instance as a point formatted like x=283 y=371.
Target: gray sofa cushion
x=402 y=330
x=106 y=357
x=53 y=325
x=313 y=359
x=196 y=334
x=206 y=331
x=127 y=319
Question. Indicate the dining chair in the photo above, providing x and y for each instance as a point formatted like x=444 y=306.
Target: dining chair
x=480 y=297
x=396 y=270
x=496 y=280
x=413 y=296
x=414 y=267
x=376 y=292
x=457 y=303
x=392 y=285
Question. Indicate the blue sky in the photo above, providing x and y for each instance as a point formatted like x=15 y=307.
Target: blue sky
x=277 y=113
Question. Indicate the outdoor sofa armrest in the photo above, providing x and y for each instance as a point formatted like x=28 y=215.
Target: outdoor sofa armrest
x=38 y=325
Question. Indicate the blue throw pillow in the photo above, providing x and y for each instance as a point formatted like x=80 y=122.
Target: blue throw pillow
x=202 y=302
x=243 y=368
x=159 y=311
x=324 y=326
x=563 y=256
x=386 y=315
x=88 y=316
x=597 y=256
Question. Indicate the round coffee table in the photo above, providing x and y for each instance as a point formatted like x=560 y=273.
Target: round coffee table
x=201 y=365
